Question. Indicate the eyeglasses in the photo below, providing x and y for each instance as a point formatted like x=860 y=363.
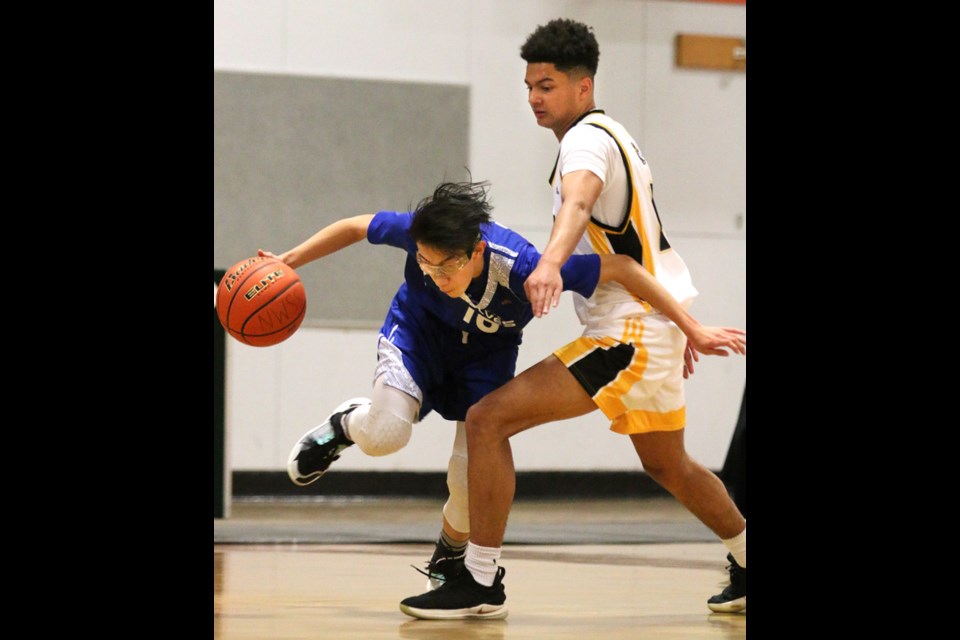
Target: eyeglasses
x=444 y=270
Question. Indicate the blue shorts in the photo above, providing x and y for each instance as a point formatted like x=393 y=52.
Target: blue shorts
x=450 y=372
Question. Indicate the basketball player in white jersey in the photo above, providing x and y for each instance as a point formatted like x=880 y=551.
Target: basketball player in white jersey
x=629 y=362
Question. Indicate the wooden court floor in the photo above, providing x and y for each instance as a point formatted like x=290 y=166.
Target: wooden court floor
x=554 y=591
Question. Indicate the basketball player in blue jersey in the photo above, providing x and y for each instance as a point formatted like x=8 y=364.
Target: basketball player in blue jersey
x=630 y=361
x=451 y=334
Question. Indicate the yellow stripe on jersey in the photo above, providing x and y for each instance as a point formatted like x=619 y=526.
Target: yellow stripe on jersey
x=636 y=215
x=632 y=330
x=601 y=246
x=598 y=240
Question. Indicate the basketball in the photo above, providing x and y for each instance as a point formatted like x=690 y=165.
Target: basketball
x=261 y=301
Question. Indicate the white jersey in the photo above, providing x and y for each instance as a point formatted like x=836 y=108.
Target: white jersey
x=624 y=220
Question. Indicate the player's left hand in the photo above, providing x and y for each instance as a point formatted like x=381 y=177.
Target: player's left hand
x=714 y=341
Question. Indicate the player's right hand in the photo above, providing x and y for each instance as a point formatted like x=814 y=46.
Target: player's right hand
x=543 y=288
x=714 y=341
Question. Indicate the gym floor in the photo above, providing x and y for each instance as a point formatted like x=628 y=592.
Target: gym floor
x=586 y=569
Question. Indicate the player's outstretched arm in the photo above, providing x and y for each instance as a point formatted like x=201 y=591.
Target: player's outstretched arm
x=330 y=239
x=579 y=191
x=713 y=341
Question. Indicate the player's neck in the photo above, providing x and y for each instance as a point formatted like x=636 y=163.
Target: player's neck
x=562 y=131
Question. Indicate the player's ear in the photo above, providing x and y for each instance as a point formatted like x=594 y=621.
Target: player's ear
x=480 y=246
x=585 y=85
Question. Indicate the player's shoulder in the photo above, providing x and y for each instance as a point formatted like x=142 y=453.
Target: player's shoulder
x=392 y=219
x=389 y=227
x=393 y=216
x=509 y=245
x=590 y=133
x=502 y=238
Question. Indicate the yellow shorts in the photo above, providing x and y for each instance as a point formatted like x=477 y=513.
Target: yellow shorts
x=637 y=383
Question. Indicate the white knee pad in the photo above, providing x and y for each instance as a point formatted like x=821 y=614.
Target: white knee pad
x=381 y=432
x=457 y=508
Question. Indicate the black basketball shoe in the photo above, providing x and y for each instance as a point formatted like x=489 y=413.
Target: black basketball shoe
x=459 y=598
x=734 y=597
x=445 y=564
x=319 y=447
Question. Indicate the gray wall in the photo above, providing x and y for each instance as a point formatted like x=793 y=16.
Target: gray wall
x=293 y=154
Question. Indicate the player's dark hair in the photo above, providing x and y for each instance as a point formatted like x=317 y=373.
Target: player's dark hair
x=567 y=44
x=450 y=219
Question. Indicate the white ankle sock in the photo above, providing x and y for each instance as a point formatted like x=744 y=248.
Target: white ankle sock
x=738 y=547
x=482 y=563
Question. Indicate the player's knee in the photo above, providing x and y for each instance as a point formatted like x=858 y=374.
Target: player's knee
x=381 y=433
x=485 y=425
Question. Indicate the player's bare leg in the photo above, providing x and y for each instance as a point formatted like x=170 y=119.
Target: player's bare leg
x=697 y=488
x=478 y=591
x=492 y=421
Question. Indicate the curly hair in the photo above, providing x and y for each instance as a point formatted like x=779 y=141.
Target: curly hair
x=450 y=219
x=566 y=44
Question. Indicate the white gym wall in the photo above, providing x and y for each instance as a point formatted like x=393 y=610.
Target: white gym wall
x=690 y=124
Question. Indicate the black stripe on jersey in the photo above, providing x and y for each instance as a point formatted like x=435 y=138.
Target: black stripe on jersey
x=626 y=165
x=601 y=367
x=664 y=243
x=627 y=244
x=553 y=172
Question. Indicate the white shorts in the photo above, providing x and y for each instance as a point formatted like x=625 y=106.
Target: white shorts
x=637 y=380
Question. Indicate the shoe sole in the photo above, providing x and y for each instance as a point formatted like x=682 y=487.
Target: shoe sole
x=734 y=606
x=292 y=471
x=481 y=612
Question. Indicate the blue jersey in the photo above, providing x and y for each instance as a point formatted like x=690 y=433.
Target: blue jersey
x=495 y=304
x=459 y=349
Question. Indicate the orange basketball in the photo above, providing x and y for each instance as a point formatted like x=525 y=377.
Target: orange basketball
x=261 y=301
